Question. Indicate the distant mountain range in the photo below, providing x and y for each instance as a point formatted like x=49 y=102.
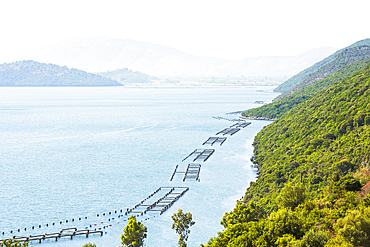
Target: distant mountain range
x=102 y=54
x=31 y=73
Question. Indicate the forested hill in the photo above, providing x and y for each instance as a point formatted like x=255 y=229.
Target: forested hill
x=346 y=63
x=346 y=57
x=314 y=174
x=295 y=80
x=31 y=73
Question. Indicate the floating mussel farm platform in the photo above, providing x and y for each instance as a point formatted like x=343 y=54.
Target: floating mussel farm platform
x=213 y=140
x=200 y=154
x=154 y=204
x=192 y=172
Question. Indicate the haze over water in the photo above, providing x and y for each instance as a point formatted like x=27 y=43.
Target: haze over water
x=77 y=152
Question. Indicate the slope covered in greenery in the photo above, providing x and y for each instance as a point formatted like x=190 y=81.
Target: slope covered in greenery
x=295 y=80
x=31 y=73
x=346 y=57
x=313 y=165
x=282 y=105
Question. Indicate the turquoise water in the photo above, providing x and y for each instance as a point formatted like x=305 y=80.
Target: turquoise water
x=69 y=153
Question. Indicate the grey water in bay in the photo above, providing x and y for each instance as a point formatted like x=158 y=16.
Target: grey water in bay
x=70 y=153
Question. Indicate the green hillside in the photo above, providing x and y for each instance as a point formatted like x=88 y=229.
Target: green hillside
x=31 y=73
x=313 y=175
x=346 y=57
x=282 y=105
x=295 y=80
x=126 y=76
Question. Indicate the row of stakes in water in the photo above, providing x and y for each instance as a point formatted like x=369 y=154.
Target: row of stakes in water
x=66 y=221
x=90 y=226
x=60 y=222
x=109 y=213
x=96 y=226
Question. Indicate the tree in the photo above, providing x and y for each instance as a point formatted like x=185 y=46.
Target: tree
x=12 y=243
x=89 y=245
x=134 y=233
x=242 y=213
x=314 y=239
x=355 y=227
x=338 y=241
x=291 y=196
x=284 y=221
x=285 y=240
x=181 y=224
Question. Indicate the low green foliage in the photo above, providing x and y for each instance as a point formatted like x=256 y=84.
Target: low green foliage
x=89 y=245
x=291 y=196
x=285 y=240
x=355 y=227
x=313 y=239
x=338 y=241
x=13 y=243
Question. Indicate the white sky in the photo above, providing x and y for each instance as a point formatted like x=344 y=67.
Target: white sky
x=232 y=29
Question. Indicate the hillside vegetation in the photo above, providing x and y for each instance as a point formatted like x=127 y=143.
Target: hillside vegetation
x=313 y=175
x=282 y=105
x=31 y=73
x=344 y=58
x=295 y=80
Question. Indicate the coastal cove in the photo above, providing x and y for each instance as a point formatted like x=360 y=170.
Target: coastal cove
x=70 y=153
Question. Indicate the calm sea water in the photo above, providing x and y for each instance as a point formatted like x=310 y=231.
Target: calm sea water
x=69 y=153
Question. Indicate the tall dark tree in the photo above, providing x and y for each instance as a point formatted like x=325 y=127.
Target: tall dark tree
x=134 y=233
x=181 y=224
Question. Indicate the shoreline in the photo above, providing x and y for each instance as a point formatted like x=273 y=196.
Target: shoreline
x=258 y=118
x=195 y=85
x=201 y=82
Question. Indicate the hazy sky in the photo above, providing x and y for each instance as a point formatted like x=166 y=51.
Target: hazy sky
x=227 y=29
